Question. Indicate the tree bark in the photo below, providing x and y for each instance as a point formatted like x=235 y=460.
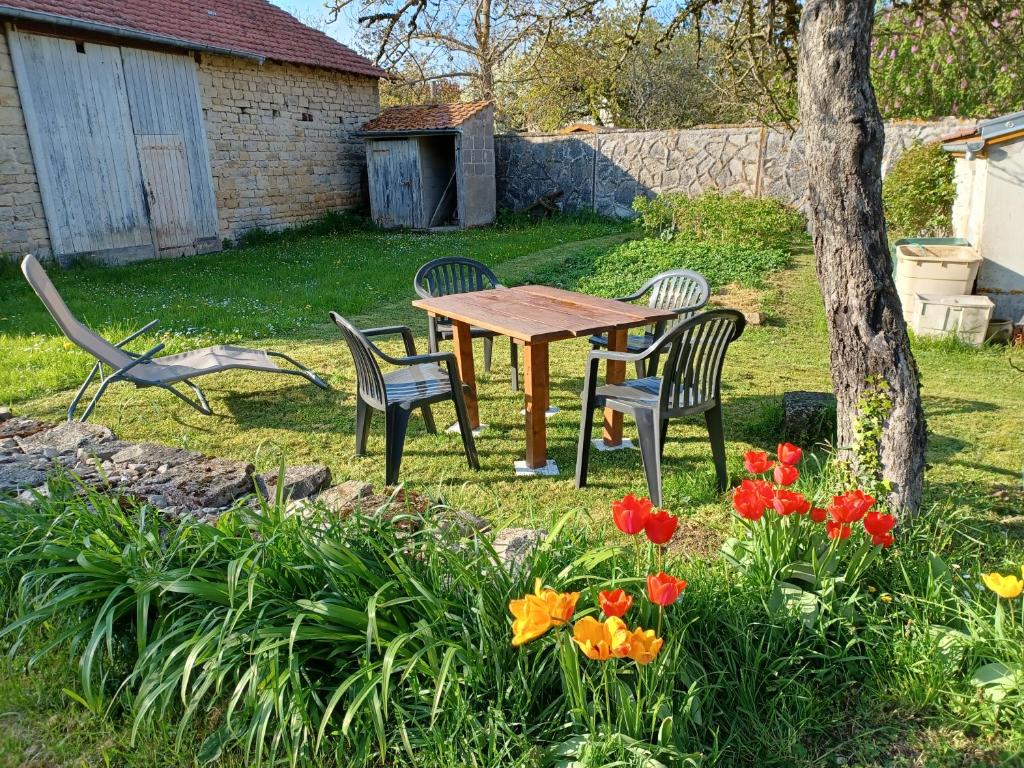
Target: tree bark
x=844 y=137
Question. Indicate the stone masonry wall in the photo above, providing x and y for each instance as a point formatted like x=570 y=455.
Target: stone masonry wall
x=604 y=172
x=282 y=149
x=478 y=194
x=22 y=222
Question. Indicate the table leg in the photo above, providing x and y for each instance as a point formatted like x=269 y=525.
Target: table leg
x=616 y=374
x=536 y=384
x=464 y=357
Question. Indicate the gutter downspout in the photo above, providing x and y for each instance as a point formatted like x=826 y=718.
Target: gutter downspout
x=131 y=34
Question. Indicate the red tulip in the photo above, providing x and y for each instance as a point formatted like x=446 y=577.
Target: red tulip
x=660 y=526
x=752 y=498
x=663 y=589
x=757 y=462
x=788 y=502
x=851 y=506
x=631 y=514
x=818 y=515
x=614 y=603
x=785 y=474
x=836 y=530
x=788 y=454
x=878 y=525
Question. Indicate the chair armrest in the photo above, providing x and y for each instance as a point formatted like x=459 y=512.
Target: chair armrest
x=151 y=324
x=432 y=357
x=394 y=330
x=145 y=357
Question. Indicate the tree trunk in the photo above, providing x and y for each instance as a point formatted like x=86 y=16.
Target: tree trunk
x=844 y=138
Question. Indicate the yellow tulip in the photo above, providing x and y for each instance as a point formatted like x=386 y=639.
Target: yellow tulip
x=601 y=641
x=532 y=619
x=1007 y=587
x=535 y=614
x=644 y=646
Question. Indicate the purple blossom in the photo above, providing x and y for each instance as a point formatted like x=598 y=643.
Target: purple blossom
x=1015 y=13
x=892 y=54
x=913 y=48
x=995 y=23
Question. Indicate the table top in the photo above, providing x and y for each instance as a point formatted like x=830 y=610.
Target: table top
x=539 y=313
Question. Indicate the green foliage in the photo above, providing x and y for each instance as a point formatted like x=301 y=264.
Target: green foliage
x=714 y=218
x=918 y=192
x=874 y=407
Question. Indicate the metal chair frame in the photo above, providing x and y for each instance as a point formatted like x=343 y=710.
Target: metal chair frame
x=457 y=274
x=372 y=392
x=690 y=384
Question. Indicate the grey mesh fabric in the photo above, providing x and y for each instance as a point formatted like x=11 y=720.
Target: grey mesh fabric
x=95 y=345
x=160 y=370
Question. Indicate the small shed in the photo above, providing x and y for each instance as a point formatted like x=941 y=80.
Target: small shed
x=989 y=200
x=432 y=166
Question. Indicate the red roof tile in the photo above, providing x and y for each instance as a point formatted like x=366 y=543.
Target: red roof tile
x=244 y=26
x=425 y=117
x=960 y=133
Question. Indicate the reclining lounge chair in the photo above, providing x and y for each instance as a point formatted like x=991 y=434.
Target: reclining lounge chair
x=148 y=370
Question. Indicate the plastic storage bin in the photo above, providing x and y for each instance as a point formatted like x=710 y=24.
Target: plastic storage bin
x=935 y=267
x=965 y=316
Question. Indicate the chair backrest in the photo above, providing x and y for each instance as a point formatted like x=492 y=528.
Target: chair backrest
x=77 y=333
x=453 y=274
x=678 y=289
x=694 y=353
x=369 y=378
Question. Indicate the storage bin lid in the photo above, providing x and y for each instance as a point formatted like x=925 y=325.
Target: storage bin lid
x=972 y=302
x=961 y=254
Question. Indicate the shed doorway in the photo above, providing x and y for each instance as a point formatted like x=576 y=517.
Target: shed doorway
x=440 y=181
x=414 y=181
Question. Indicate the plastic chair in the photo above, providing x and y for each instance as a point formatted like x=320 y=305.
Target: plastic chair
x=690 y=384
x=455 y=274
x=679 y=290
x=419 y=383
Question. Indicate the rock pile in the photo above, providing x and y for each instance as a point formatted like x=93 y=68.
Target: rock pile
x=180 y=482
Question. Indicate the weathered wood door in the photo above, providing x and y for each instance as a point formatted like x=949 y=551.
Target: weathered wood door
x=394 y=175
x=119 y=146
x=80 y=130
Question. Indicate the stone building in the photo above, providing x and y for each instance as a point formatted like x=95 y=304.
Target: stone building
x=141 y=129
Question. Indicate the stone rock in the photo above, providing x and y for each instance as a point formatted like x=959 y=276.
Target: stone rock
x=23 y=472
x=341 y=499
x=152 y=454
x=514 y=545
x=197 y=483
x=21 y=427
x=300 y=482
x=465 y=523
x=808 y=417
x=5 y=414
x=68 y=437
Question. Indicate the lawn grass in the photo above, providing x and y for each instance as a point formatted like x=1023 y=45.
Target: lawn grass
x=279 y=293
x=971 y=399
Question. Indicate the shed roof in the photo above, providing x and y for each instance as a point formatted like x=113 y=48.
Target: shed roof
x=251 y=28
x=997 y=130
x=424 y=117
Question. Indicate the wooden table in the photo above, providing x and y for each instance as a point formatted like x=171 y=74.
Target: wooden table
x=534 y=316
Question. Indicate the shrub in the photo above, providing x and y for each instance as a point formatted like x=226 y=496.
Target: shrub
x=624 y=268
x=713 y=218
x=918 y=193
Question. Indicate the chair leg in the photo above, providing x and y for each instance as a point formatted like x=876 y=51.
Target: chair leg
x=717 y=437
x=428 y=420
x=651 y=453
x=397 y=417
x=200 y=403
x=97 y=368
x=96 y=398
x=364 y=414
x=664 y=437
x=431 y=335
x=586 y=426
x=465 y=427
x=640 y=369
x=488 y=349
x=514 y=364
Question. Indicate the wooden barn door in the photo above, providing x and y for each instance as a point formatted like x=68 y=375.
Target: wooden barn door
x=80 y=130
x=393 y=166
x=119 y=147
x=168 y=121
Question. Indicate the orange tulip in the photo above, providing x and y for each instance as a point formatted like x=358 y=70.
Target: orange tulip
x=663 y=589
x=644 y=646
x=615 y=602
x=599 y=640
x=535 y=614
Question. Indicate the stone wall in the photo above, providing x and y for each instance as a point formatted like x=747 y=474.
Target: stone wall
x=604 y=172
x=282 y=149
x=22 y=222
x=477 y=144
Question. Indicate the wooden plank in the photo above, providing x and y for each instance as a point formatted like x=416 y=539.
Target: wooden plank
x=82 y=144
x=393 y=169
x=639 y=312
x=165 y=174
x=464 y=358
x=615 y=374
x=537 y=388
